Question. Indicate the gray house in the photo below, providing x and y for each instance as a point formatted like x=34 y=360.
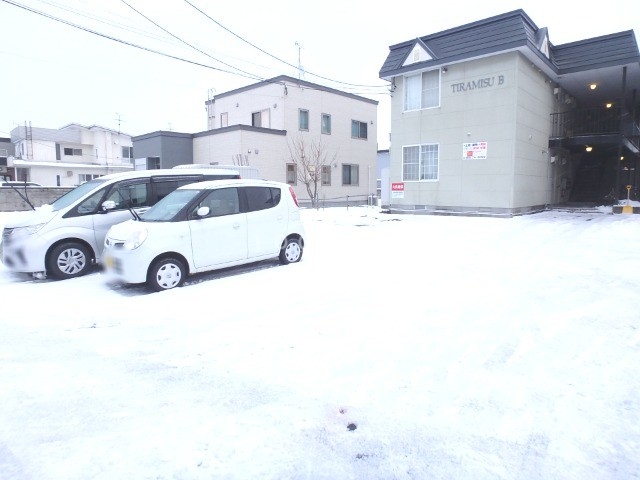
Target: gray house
x=492 y=117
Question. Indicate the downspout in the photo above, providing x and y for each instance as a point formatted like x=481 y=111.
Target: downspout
x=618 y=161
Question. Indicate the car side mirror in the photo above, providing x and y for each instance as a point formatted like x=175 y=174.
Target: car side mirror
x=108 y=205
x=202 y=212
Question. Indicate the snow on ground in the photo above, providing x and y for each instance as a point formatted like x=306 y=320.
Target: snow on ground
x=401 y=347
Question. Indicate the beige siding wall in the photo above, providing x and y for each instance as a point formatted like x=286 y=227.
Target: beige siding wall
x=511 y=115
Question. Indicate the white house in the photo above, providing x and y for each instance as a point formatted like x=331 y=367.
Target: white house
x=256 y=125
x=69 y=155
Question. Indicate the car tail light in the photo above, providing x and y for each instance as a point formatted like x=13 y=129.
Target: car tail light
x=293 y=195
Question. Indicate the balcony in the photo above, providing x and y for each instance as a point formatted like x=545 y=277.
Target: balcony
x=594 y=125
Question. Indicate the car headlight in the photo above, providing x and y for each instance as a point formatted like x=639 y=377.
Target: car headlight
x=136 y=239
x=25 y=231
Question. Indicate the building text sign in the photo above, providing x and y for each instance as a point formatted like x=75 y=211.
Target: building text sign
x=474 y=151
x=477 y=84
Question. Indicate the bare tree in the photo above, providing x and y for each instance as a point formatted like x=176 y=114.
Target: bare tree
x=309 y=158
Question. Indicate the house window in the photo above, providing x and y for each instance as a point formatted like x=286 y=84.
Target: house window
x=260 y=119
x=85 y=177
x=420 y=162
x=224 y=119
x=292 y=173
x=350 y=174
x=358 y=129
x=127 y=152
x=303 y=119
x=73 y=151
x=422 y=90
x=153 y=163
x=326 y=175
x=326 y=123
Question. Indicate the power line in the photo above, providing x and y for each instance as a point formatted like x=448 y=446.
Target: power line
x=124 y=42
x=276 y=58
x=255 y=77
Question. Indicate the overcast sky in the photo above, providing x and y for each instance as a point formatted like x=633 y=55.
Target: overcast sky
x=55 y=73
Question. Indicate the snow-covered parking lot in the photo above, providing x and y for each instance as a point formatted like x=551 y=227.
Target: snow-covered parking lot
x=401 y=347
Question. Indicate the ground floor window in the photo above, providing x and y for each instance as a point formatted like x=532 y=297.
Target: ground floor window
x=292 y=174
x=350 y=174
x=420 y=162
x=326 y=175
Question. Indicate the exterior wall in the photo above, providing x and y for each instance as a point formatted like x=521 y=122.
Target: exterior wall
x=262 y=150
x=172 y=148
x=283 y=102
x=44 y=158
x=505 y=114
x=532 y=169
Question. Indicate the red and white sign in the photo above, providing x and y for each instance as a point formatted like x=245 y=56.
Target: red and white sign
x=475 y=151
x=397 y=190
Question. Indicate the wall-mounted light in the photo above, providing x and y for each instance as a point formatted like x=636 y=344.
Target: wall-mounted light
x=444 y=69
x=622 y=158
x=593 y=86
x=609 y=105
x=588 y=148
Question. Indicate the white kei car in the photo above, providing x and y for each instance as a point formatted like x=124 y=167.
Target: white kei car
x=205 y=226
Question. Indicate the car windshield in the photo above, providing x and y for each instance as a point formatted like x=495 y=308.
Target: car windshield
x=72 y=195
x=167 y=208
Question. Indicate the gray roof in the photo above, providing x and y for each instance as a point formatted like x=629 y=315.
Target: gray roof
x=572 y=65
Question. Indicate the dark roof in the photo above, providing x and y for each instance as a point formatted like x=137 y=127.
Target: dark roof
x=492 y=35
x=572 y=65
x=284 y=80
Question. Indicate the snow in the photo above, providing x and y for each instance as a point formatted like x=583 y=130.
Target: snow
x=401 y=347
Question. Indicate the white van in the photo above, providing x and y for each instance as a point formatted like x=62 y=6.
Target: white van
x=65 y=238
x=206 y=226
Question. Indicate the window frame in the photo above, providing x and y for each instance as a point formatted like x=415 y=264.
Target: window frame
x=357 y=128
x=412 y=95
x=302 y=113
x=294 y=170
x=325 y=127
x=325 y=176
x=423 y=164
x=351 y=166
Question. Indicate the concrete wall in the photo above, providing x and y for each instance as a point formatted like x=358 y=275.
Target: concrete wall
x=11 y=201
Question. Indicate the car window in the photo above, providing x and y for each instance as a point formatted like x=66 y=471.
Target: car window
x=221 y=201
x=261 y=198
x=130 y=195
x=165 y=186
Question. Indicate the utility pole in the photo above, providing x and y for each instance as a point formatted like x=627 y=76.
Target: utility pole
x=300 y=70
x=119 y=120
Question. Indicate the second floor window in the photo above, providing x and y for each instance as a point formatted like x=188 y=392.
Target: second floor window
x=127 y=152
x=73 y=151
x=260 y=119
x=224 y=119
x=326 y=123
x=358 y=129
x=422 y=90
x=303 y=119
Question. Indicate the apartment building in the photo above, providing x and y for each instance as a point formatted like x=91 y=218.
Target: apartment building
x=492 y=117
x=69 y=155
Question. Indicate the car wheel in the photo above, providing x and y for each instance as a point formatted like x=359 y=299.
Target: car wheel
x=68 y=260
x=291 y=251
x=166 y=274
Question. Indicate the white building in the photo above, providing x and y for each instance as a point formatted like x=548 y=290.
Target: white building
x=68 y=156
x=256 y=125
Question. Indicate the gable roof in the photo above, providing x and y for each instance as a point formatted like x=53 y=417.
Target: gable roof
x=287 y=80
x=572 y=65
